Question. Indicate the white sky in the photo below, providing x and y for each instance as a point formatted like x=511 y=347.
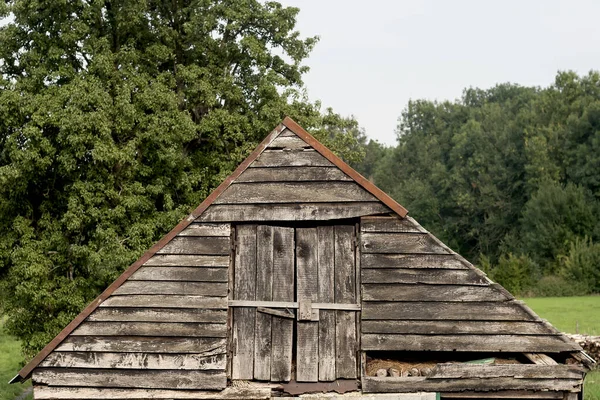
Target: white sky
x=375 y=55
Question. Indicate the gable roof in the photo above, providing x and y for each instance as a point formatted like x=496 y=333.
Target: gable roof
x=287 y=123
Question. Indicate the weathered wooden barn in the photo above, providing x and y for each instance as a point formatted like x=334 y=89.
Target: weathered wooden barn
x=297 y=276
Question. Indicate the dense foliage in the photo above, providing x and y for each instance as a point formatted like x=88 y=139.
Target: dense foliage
x=116 y=119
x=509 y=177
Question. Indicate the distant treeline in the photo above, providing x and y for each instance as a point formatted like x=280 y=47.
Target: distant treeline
x=509 y=177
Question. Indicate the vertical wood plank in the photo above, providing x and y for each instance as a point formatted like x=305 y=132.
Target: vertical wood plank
x=326 y=281
x=264 y=291
x=244 y=289
x=283 y=290
x=307 y=347
x=345 y=292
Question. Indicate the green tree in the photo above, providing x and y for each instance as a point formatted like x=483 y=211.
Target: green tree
x=118 y=117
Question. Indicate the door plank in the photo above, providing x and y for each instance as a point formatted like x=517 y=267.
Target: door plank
x=326 y=273
x=264 y=291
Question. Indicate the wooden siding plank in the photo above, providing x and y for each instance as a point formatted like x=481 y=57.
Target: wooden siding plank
x=390 y=225
x=503 y=394
x=518 y=371
x=73 y=393
x=283 y=290
x=307 y=346
x=264 y=292
x=430 y=276
x=176 y=288
x=166 y=301
x=292 y=212
x=293 y=174
x=197 y=245
x=403 y=385
x=180 y=379
x=419 y=292
x=345 y=293
x=279 y=158
x=134 y=361
x=244 y=289
x=400 y=243
x=489 y=343
x=293 y=192
x=196 y=229
x=158 y=315
x=288 y=143
x=478 y=311
x=150 y=329
x=188 y=261
x=455 y=327
x=141 y=344
x=420 y=261
x=190 y=274
x=326 y=294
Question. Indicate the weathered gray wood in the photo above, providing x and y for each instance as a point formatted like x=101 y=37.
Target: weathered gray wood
x=287 y=133
x=292 y=174
x=307 y=346
x=264 y=291
x=455 y=327
x=73 y=393
x=283 y=290
x=491 y=343
x=278 y=313
x=503 y=394
x=421 y=261
x=280 y=158
x=293 y=192
x=197 y=245
x=326 y=294
x=477 y=311
x=518 y=371
x=158 y=315
x=188 y=261
x=179 y=379
x=190 y=274
x=417 y=275
x=150 y=329
x=345 y=292
x=196 y=229
x=169 y=287
x=244 y=289
x=288 y=142
x=419 y=292
x=540 y=359
x=403 y=385
x=390 y=224
x=400 y=243
x=134 y=361
x=165 y=301
x=292 y=212
x=139 y=344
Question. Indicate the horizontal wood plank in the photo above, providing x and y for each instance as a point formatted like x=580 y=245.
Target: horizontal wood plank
x=477 y=311
x=292 y=212
x=455 y=327
x=176 y=288
x=301 y=158
x=162 y=329
x=188 y=261
x=390 y=225
x=197 y=245
x=141 y=344
x=421 y=261
x=419 y=292
x=288 y=143
x=196 y=229
x=292 y=174
x=134 y=361
x=427 y=276
x=503 y=394
x=179 y=379
x=77 y=393
x=400 y=243
x=293 y=192
x=129 y=314
x=165 y=301
x=517 y=371
x=191 y=274
x=487 y=343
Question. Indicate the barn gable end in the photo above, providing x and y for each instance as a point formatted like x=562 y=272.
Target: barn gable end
x=175 y=323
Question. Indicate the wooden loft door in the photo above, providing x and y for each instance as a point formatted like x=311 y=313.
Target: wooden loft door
x=287 y=276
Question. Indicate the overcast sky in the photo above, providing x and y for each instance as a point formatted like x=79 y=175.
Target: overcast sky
x=375 y=55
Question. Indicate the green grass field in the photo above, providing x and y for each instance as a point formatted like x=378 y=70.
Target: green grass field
x=10 y=363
